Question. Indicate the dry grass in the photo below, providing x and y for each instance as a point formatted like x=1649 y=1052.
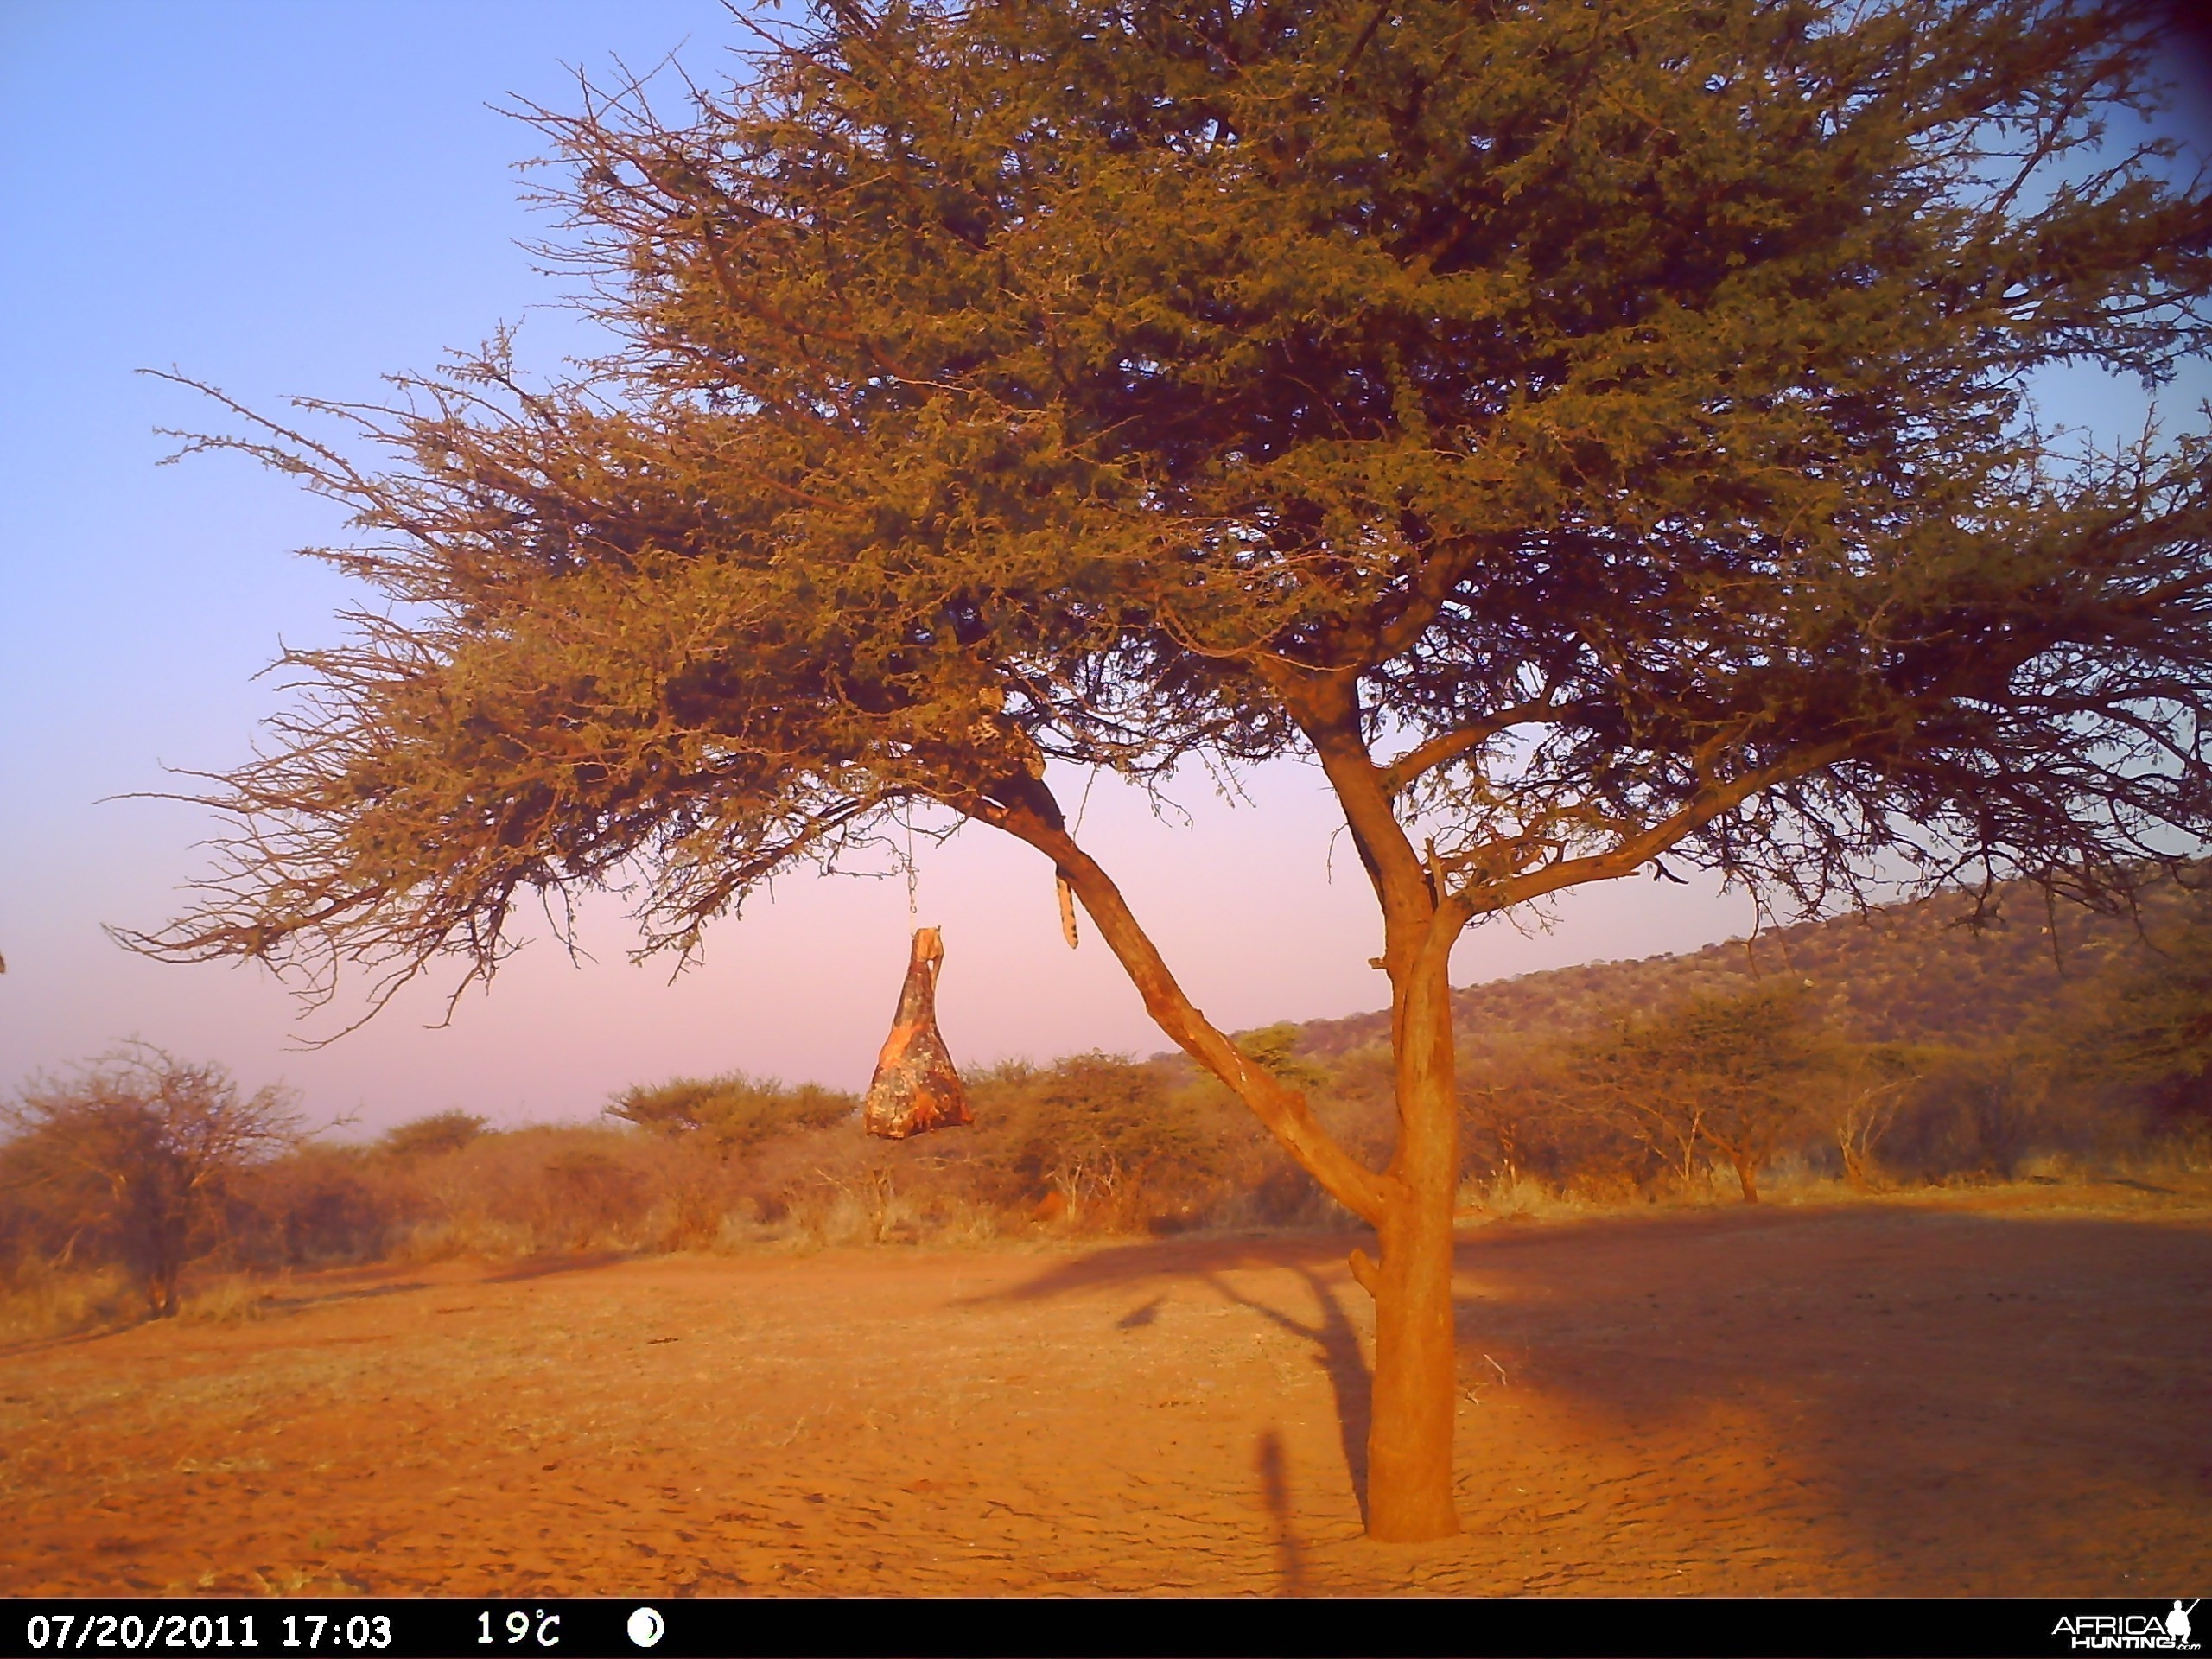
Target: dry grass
x=39 y=1301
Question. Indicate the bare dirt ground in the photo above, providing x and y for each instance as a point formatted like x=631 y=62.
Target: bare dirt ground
x=1887 y=1398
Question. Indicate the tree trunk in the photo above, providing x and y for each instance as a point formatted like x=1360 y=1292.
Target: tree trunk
x=165 y=1246
x=1854 y=1168
x=1747 y=1173
x=1416 y=1361
x=1414 y=1392
x=1416 y=1380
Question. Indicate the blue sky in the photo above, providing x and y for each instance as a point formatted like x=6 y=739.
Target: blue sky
x=286 y=199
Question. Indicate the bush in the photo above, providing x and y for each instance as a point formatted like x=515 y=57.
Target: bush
x=432 y=1136
x=316 y=1205
x=1112 y=1139
x=533 y=1191
x=1531 y=1119
x=732 y=1113
x=131 y=1161
x=592 y=1197
x=2151 y=1026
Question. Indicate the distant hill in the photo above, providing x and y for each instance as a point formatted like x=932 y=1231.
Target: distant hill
x=1905 y=973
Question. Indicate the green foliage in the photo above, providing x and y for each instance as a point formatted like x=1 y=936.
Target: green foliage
x=1528 y=1116
x=1596 y=435
x=1930 y=1048
x=732 y=1113
x=1598 y=1083
x=1274 y=1049
x=1617 y=414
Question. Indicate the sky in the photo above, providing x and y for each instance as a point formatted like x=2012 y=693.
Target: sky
x=282 y=199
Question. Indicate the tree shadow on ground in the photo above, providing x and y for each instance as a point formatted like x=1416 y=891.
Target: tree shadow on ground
x=1337 y=1350
x=540 y=1266
x=1894 y=1377
x=1337 y=1347
x=1275 y=1492
x=1928 y=1374
x=1185 y=1257
x=269 y=1304
x=279 y=1304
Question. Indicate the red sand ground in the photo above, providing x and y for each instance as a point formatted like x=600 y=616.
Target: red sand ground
x=1883 y=1399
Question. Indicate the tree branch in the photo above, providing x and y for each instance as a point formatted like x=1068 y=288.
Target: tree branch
x=1637 y=849
x=1326 y=708
x=1283 y=1110
x=1450 y=746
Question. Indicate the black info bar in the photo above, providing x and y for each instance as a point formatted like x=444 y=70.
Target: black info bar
x=681 y=1627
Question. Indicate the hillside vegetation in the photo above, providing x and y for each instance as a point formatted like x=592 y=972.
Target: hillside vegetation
x=1919 y=973
x=1859 y=1052
x=1937 y=1041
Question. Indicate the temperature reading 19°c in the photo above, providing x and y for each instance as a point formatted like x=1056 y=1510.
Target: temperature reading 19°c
x=519 y=1627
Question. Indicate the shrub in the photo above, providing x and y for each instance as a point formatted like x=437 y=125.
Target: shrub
x=593 y=1196
x=130 y=1161
x=732 y=1113
x=1533 y=1117
x=316 y=1205
x=432 y=1136
x=1107 y=1137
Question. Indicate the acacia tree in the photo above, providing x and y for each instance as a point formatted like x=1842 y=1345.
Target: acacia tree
x=2155 y=1028
x=1724 y=1072
x=1863 y=1090
x=1593 y=433
x=137 y=1151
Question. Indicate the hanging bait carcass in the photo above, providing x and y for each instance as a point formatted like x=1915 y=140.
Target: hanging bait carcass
x=915 y=1088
